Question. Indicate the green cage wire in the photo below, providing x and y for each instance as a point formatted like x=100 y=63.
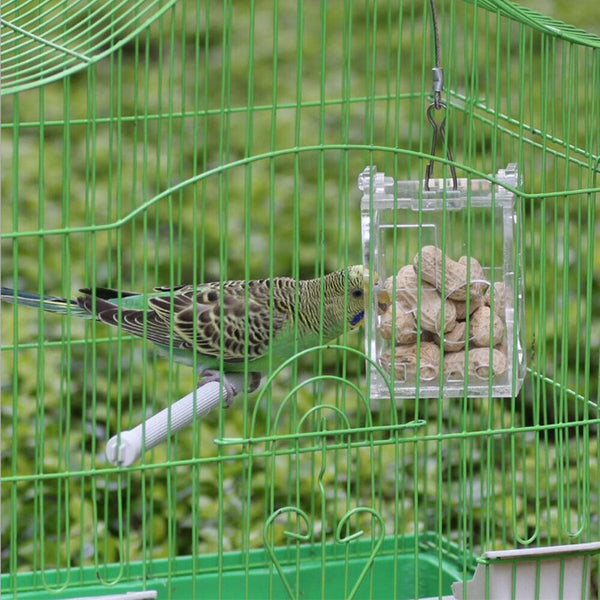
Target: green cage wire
x=156 y=143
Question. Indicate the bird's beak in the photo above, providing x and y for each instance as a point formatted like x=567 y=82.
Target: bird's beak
x=383 y=299
x=381 y=294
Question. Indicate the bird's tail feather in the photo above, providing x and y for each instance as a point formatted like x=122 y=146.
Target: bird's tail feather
x=53 y=304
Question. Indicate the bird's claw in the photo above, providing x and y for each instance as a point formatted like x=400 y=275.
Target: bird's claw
x=212 y=375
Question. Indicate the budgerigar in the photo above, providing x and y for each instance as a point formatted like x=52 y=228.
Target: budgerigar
x=233 y=319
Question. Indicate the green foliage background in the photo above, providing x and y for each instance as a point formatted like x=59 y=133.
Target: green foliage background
x=294 y=213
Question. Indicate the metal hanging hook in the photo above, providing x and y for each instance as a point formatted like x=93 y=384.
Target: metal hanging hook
x=439 y=129
x=438 y=104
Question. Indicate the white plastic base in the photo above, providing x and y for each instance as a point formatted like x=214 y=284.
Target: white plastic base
x=127 y=447
x=145 y=595
x=548 y=573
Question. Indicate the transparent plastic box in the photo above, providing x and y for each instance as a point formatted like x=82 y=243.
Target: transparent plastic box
x=452 y=263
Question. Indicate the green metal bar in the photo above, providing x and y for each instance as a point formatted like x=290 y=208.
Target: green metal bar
x=175 y=463
x=45 y=41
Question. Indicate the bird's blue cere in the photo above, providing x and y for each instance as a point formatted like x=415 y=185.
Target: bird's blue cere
x=357 y=318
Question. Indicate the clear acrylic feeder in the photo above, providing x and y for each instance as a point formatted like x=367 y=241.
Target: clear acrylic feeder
x=451 y=260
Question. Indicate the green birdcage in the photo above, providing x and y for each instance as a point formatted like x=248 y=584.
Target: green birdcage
x=448 y=449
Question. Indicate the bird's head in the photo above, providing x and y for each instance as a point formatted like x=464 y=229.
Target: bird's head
x=358 y=285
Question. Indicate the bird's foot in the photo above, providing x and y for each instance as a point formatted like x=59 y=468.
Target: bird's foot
x=210 y=375
x=213 y=375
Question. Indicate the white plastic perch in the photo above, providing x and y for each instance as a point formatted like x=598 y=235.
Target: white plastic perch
x=126 y=447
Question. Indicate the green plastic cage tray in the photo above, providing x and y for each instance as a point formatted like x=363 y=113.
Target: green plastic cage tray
x=427 y=565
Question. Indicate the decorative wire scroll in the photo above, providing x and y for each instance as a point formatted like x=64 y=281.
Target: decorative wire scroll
x=439 y=129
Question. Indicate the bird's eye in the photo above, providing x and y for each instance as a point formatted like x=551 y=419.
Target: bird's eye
x=358 y=293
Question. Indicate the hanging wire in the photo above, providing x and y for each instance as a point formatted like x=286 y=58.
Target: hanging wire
x=439 y=129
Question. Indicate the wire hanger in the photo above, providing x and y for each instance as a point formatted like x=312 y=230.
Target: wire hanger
x=439 y=128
